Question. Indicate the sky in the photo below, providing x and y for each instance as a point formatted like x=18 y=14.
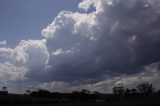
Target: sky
x=79 y=44
x=21 y=19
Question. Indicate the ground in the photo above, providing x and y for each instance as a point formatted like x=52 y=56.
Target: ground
x=147 y=102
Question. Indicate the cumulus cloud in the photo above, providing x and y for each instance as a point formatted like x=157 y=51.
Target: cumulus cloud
x=27 y=60
x=115 y=44
x=119 y=37
x=31 y=52
x=86 y=4
x=33 y=55
x=6 y=52
x=9 y=72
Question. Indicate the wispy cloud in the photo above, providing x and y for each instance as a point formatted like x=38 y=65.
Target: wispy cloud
x=4 y=42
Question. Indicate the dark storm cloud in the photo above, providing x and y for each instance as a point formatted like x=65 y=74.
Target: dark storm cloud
x=120 y=37
x=131 y=39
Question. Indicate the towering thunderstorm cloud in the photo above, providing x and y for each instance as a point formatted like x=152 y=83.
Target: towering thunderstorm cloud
x=111 y=42
x=119 y=37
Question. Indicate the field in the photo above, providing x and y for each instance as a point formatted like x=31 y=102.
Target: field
x=147 y=102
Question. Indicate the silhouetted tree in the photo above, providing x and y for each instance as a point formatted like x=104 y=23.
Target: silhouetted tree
x=158 y=92
x=75 y=96
x=95 y=95
x=133 y=92
x=145 y=89
x=28 y=92
x=84 y=95
x=118 y=90
x=41 y=93
x=127 y=93
x=4 y=91
x=95 y=92
x=85 y=91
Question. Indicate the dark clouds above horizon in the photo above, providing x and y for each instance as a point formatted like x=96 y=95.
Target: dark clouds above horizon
x=117 y=43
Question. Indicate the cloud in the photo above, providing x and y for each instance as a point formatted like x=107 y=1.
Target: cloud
x=4 y=42
x=28 y=59
x=6 y=52
x=9 y=72
x=117 y=43
x=150 y=75
x=32 y=53
x=86 y=4
x=119 y=37
x=61 y=52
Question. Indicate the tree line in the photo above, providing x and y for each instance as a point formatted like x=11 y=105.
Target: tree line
x=144 y=90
